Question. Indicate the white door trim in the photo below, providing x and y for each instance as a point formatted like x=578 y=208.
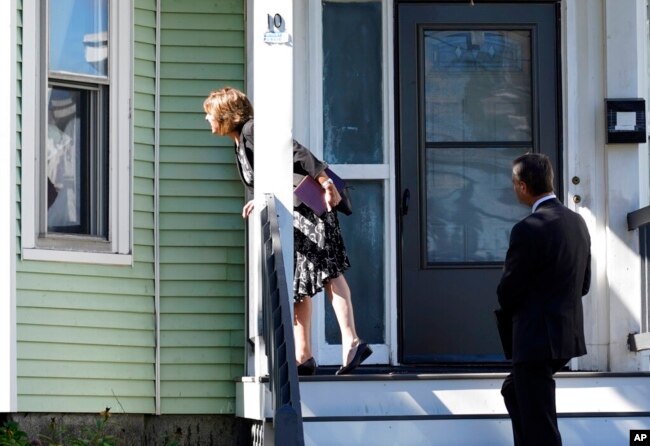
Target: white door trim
x=309 y=115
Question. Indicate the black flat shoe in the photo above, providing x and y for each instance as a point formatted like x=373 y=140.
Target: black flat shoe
x=307 y=368
x=363 y=352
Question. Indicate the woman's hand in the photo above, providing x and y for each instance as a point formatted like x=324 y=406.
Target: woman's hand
x=248 y=208
x=332 y=196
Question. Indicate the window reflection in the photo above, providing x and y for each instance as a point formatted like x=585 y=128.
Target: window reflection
x=76 y=138
x=66 y=110
x=74 y=164
x=470 y=205
x=352 y=83
x=477 y=85
x=78 y=37
x=478 y=95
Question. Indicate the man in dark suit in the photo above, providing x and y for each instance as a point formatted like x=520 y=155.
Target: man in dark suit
x=546 y=273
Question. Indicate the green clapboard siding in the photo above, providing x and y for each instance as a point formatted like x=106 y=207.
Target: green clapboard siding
x=201 y=229
x=86 y=333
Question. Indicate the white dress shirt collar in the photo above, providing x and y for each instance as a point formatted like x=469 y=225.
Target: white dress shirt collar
x=541 y=200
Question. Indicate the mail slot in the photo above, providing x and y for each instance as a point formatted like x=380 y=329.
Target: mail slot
x=625 y=121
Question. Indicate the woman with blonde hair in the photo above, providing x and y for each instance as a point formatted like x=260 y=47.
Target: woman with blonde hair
x=320 y=258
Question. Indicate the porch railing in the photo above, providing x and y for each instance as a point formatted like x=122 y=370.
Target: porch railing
x=277 y=331
x=640 y=219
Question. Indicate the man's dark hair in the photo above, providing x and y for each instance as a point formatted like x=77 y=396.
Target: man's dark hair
x=536 y=170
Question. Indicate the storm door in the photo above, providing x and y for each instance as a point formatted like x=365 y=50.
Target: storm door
x=477 y=87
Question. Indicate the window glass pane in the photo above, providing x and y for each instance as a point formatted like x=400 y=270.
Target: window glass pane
x=363 y=233
x=477 y=86
x=78 y=36
x=352 y=83
x=471 y=206
x=76 y=164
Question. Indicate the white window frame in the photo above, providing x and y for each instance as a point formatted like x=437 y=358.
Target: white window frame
x=8 y=31
x=382 y=353
x=118 y=249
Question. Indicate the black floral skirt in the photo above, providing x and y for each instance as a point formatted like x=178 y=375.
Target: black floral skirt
x=319 y=251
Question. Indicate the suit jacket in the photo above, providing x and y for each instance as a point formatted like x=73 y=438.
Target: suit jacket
x=546 y=273
x=304 y=162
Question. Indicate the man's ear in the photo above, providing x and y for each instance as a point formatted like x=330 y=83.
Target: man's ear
x=523 y=187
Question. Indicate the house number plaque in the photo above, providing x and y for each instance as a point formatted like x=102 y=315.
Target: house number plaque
x=276 y=32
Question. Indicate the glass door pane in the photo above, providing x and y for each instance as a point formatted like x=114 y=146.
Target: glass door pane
x=477 y=85
x=352 y=83
x=470 y=206
x=363 y=234
x=478 y=114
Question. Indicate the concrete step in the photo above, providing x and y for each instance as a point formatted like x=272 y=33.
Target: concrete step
x=465 y=409
x=579 y=431
x=596 y=409
x=465 y=394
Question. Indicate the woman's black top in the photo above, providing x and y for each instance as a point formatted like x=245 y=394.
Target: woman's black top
x=304 y=162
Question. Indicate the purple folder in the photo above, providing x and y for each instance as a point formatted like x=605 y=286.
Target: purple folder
x=310 y=192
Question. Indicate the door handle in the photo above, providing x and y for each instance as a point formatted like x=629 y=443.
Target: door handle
x=406 y=200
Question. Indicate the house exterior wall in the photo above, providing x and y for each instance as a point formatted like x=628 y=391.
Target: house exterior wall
x=625 y=46
x=165 y=334
x=584 y=151
x=604 y=56
x=201 y=229
x=86 y=332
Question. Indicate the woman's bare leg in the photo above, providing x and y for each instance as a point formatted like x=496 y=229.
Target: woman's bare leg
x=339 y=295
x=302 y=329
